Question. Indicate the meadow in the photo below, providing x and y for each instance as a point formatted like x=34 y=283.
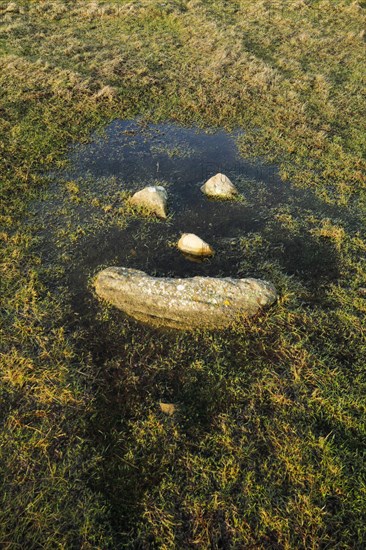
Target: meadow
x=267 y=446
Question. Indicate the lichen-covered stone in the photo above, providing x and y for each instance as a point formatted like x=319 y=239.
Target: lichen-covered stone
x=191 y=244
x=152 y=200
x=198 y=302
x=219 y=186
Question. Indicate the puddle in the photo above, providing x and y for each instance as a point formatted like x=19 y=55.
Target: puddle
x=80 y=222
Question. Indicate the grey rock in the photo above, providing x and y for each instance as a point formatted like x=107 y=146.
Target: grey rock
x=152 y=199
x=198 y=302
x=219 y=186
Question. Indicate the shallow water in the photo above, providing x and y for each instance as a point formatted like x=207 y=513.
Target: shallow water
x=130 y=155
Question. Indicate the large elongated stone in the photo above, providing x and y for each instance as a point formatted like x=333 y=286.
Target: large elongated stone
x=198 y=302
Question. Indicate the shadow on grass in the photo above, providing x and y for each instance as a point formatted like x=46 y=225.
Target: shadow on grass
x=269 y=234
x=138 y=366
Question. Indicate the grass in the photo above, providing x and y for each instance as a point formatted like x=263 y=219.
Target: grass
x=266 y=449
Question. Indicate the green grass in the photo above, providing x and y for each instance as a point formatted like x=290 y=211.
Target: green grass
x=267 y=449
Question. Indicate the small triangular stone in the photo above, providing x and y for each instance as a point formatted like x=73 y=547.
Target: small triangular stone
x=219 y=186
x=152 y=199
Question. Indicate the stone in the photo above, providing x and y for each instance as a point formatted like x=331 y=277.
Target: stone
x=197 y=302
x=219 y=186
x=152 y=200
x=167 y=408
x=191 y=244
